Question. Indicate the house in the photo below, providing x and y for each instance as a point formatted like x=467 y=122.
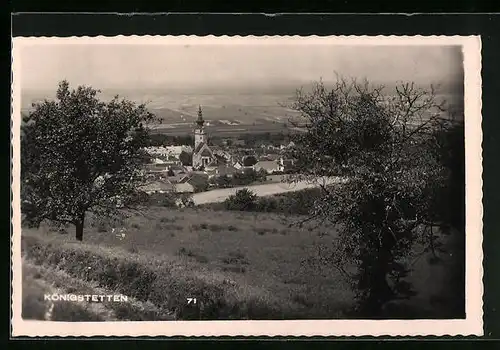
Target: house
x=226 y=170
x=157 y=167
x=222 y=155
x=222 y=170
x=178 y=169
x=291 y=144
x=158 y=160
x=286 y=164
x=194 y=182
x=270 y=166
x=237 y=165
x=176 y=178
x=211 y=167
x=158 y=186
x=165 y=151
x=272 y=156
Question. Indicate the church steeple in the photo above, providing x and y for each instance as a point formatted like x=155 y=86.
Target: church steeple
x=200 y=120
x=200 y=136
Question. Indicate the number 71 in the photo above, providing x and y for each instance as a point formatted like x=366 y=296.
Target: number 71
x=191 y=300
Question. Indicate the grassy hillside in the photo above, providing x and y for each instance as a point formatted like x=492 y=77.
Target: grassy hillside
x=238 y=265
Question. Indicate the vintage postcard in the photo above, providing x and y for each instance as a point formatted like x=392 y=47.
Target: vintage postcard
x=247 y=186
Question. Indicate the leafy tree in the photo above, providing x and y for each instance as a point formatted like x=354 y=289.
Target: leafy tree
x=186 y=158
x=384 y=147
x=245 y=177
x=79 y=155
x=262 y=174
x=223 y=181
x=249 y=161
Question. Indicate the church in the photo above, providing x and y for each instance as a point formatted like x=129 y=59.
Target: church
x=203 y=156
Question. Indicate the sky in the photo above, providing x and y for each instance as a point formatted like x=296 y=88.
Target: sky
x=123 y=66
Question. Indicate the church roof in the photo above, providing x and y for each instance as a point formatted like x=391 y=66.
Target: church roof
x=204 y=149
x=206 y=153
x=198 y=148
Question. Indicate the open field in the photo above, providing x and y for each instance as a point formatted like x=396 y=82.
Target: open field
x=222 y=129
x=238 y=265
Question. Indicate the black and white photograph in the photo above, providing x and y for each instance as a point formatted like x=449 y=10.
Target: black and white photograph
x=189 y=185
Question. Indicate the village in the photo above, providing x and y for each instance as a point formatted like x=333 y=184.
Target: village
x=202 y=167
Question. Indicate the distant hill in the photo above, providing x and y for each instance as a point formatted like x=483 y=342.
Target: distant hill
x=242 y=105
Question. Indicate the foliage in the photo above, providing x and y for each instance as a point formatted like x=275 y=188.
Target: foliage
x=262 y=174
x=290 y=203
x=80 y=154
x=249 y=160
x=223 y=181
x=384 y=145
x=167 y=200
x=242 y=200
x=186 y=158
x=245 y=177
x=185 y=200
x=449 y=147
x=199 y=184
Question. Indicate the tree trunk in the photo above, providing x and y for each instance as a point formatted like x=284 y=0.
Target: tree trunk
x=379 y=294
x=79 y=228
x=375 y=268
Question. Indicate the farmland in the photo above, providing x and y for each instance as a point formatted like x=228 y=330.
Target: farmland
x=227 y=114
x=239 y=264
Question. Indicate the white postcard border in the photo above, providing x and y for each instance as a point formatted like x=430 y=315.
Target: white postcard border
x=472 y=325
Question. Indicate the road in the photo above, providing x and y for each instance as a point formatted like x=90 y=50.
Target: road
x=219 y=195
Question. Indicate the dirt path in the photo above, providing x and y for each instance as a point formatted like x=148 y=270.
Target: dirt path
x=220 y=195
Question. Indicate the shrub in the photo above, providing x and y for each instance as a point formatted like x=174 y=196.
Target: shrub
x=133 y=249
x=102 y=227
x=236 y=258
x=242 y=200
x=238 y=269
x=215 y=228
x=186 y=252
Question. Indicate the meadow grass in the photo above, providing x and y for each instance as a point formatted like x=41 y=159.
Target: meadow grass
x=37 y=282
x=239 y=265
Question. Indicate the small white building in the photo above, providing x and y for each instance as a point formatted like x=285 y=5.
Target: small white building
x=270 y=166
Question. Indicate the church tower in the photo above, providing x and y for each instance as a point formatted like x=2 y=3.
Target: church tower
x=199 y=133
x=202 y=154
